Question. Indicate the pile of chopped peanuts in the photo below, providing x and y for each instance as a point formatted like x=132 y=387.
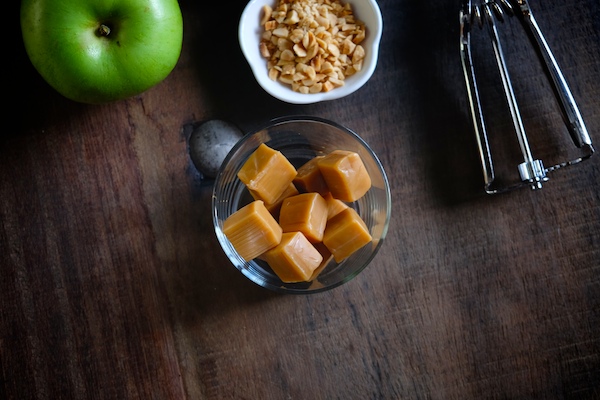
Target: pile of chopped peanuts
x=312 y=45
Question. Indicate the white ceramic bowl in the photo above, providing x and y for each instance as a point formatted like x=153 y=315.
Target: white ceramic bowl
x=250 y=33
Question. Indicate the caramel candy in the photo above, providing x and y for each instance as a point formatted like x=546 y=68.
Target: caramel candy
x=345 y=234
x=306 y=213
x=324 y=251
x=345 y=175
x=334 y=206
x=276 y=207
x=310 y=179
x=267 y=174
x=252 y=230
x=294 y=259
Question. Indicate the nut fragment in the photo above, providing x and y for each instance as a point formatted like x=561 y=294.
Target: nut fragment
x=287 y=55
x=267 y=12
x=312 y=45
x=299 y=50
x=264 y=50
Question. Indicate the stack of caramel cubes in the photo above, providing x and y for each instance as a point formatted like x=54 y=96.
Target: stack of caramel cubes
x=300 y=219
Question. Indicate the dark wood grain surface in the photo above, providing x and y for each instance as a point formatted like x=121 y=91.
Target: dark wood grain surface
x=113 y=285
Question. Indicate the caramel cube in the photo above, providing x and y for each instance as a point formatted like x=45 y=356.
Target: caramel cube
x=267 y=174
x=276 y=207
x=345 y=175
x=294 y=259
x=324 y=251
x=334 y=206
x=252 y=230
x=310 y=179
x=345 y=234
x=306 y=213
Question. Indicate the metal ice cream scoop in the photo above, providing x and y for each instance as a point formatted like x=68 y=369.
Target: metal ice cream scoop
x=209 y=144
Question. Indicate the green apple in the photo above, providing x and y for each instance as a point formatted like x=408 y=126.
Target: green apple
x=98 y=51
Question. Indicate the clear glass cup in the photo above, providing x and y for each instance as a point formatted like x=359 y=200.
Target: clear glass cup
x=301 y=138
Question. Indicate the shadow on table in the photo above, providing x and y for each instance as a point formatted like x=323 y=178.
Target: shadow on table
x=207 y=284
x=233 y=92
x=427 y=47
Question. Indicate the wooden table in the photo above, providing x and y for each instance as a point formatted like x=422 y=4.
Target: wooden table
x=113 y=285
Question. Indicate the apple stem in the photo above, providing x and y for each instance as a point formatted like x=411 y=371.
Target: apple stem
x=103 y=30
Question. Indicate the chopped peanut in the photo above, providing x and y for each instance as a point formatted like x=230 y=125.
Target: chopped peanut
x=324 y=35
